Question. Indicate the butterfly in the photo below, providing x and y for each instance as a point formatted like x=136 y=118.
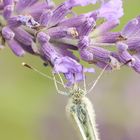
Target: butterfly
x=79 y=108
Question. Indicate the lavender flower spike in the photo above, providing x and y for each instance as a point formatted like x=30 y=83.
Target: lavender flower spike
x=55 y=33
x=72 y=70
x=39 y=28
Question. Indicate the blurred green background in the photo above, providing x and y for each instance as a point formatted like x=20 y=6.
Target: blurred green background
x=30 y=109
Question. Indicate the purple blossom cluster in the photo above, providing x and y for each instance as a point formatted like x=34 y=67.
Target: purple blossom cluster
x=54 y=32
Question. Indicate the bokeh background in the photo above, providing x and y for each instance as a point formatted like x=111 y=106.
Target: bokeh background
x=30 y=109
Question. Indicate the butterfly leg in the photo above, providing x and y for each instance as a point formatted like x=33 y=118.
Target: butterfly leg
x=58 y=91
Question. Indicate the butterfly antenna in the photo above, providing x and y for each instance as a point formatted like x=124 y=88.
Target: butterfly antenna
x=62 y=82
x=39 y=72
x=96 y=81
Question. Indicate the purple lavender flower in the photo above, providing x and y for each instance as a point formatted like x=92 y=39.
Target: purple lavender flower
x=62 y=62
x=128 y=46
x=90 y=46
x=131 y=35
x=21 y=31
x=43 y=29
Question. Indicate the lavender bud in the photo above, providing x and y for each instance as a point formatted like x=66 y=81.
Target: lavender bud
x=132 y=28
x=58 y=14
x=108 y=37
x=86 y=27
x=100 y=54
x=16 y=47
x=86 y=55
x=8 y=2
x=23 y=37
x=136 y=64
x=105 y=27
x=8 y=11
x=122 y=47
x=42 y=37
x=84 y=42
x=7 y=33
x=45 y=16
